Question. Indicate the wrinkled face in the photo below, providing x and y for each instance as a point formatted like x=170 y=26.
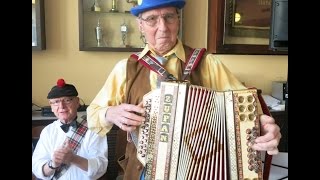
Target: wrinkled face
x=65 y=108
x=160 y=28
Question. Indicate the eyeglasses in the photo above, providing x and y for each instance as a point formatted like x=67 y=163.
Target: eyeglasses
x=56 y=102
x=153 y=19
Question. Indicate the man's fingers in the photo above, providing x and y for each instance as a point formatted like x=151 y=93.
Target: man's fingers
x=127 y=128
x=265 y=119
x=140 y=104
x=133 y=108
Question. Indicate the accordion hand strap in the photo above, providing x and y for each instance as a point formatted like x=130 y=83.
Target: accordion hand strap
x=268 y=158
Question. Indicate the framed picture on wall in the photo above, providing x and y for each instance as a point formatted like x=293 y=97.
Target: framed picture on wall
x=240 y=27
x=38 y=25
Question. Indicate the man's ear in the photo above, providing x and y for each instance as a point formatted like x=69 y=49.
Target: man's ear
x=83 y=106
x=140 y=26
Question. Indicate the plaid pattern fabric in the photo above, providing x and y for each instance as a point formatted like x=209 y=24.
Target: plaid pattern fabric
x=77 y=135
x=74 y=142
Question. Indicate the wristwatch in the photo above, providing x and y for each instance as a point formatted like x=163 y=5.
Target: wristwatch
x=50 y=165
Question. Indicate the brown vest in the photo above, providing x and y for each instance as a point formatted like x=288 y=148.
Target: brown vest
x=138 y=84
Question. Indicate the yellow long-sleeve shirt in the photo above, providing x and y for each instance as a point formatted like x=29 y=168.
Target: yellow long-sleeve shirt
x=214 y=74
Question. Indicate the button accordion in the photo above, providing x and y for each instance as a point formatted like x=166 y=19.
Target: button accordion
x=193 y=132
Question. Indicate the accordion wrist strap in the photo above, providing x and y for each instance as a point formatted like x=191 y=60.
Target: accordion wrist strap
x=267 y=158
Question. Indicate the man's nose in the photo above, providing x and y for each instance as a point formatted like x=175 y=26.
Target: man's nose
x=162 y=23
x=61 y=104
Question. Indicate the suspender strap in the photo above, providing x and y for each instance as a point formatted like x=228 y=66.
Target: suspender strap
x=193 y=61
x=74 y=142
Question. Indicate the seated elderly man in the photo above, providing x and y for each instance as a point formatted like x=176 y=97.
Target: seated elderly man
x=67 y=149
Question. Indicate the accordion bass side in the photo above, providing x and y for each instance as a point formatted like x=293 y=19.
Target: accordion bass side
x=193 y=132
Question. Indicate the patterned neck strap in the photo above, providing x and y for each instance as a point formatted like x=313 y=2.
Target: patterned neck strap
x=153 y=64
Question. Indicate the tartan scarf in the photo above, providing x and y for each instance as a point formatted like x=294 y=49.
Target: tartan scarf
x=74 y=142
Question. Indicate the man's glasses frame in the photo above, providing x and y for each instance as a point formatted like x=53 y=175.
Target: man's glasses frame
x=153 y=20
x=56 y=102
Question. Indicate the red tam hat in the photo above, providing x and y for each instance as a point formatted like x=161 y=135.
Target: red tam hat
x=62 y=89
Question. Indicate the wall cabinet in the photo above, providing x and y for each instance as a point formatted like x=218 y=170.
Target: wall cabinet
x=108 y=25
x=38 y=26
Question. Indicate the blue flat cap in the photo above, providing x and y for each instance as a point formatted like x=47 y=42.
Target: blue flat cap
x=154 y=4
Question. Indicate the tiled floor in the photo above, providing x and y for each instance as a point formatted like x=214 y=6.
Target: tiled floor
x=279 y=168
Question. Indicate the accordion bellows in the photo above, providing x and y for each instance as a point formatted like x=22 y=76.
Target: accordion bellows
x=192 y=132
